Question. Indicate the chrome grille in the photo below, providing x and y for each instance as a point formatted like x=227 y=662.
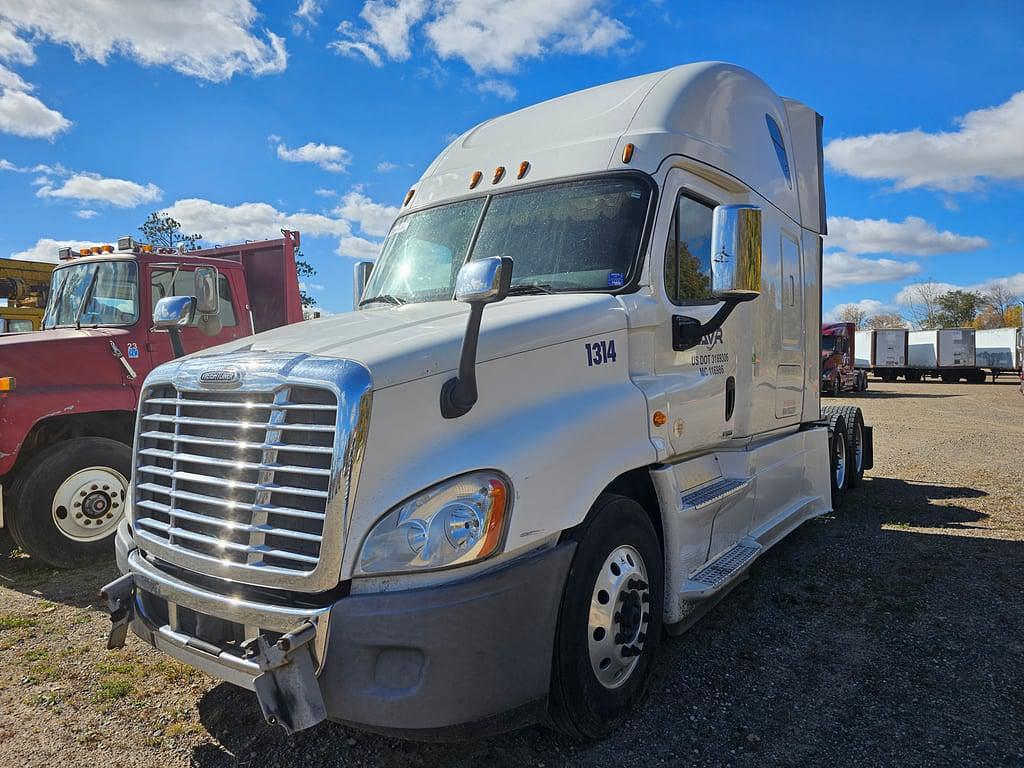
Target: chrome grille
x=240 y=477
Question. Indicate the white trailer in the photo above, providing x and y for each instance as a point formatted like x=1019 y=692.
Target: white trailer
x=999 y=350
x=943 y=353
x=422 y=515
x=882 y=352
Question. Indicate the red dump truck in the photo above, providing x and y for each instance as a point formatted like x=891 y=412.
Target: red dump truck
x=69 y=392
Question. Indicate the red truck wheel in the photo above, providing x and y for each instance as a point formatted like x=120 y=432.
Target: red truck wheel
x=69 y=499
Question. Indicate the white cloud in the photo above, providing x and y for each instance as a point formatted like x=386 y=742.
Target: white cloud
x=388 y=29
x=839 y=269
x=986 y=145
x=385 y=166
x=86 y=213
x=913 y=237
x=208 y=39
x=46 y=249
x=93 y=187
x=307 y=14
x=22 y=114
x=358 y=248
x=249 y=221
x=489 y=35
x=13 y=48
x=372 y=217
x=327 y=156
x=1014 y=283
x=324 y=192
x=500 y=88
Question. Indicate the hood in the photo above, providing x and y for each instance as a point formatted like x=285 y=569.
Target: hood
x=42 y=358
x=400 y=344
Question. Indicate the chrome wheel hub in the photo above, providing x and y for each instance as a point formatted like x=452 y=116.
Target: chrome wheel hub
x=619 y=616
x=90 y=503
x=841 y=461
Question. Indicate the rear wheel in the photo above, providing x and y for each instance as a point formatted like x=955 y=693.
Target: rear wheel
x=853 y=418
x=838 y=457
x=69 y=499
x=609 y=623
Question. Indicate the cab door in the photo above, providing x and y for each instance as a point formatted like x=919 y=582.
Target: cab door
x=232 y=321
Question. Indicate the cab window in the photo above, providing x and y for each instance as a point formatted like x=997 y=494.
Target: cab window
x=688 y=254
x=184 y=285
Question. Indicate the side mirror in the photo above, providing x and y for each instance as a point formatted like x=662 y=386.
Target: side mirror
x=173 y=313
x=206 y=293
x=478 y=284
x=485 y=281
x=736 y=252
x=735 y=271
x=360 y=277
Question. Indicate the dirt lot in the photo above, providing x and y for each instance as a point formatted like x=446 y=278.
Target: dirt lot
x=890 y=633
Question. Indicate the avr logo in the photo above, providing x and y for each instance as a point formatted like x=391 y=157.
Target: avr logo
x=712 y=339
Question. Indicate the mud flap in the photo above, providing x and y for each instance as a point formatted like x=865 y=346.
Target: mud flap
x=869 y=448
x=120 y=597
x=287 y=688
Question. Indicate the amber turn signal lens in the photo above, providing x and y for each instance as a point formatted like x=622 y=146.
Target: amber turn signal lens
x=659 y=419
x=7 y=383
x=499 y=174
x=523 y=168
x=496 y=521
x=475 y=179
x=408 y=197
x=627 y=153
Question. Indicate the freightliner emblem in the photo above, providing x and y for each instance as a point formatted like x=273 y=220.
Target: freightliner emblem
x=223 y=377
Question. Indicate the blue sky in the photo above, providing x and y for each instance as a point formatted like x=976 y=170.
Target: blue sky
x=240 y=118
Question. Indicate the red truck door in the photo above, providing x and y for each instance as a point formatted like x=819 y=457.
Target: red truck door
x=233 y=322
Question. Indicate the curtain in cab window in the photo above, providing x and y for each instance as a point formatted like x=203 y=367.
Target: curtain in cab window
x=688 y=253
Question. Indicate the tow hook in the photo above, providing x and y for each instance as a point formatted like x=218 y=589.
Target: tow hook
x=120 y=597
x=287 y=688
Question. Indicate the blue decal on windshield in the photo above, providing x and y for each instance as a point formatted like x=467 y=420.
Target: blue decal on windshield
x=615 y=280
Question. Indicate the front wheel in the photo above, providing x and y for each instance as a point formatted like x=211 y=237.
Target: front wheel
x=609 y=623
x=68 y=500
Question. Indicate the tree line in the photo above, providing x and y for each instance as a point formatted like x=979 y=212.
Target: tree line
x=933 y=305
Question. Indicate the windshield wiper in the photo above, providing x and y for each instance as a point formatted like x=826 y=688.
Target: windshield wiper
x=384 y=298
x=530 y=289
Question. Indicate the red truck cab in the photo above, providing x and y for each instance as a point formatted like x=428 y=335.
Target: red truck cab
x=838 y=373
x=69 y=392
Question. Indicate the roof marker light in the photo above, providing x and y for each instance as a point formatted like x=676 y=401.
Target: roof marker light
x=523 y=168
x=627 y=153
x=475 y=179
x=499 y=174
x=408 y=197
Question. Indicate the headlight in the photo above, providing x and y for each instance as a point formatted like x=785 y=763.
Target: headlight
x=453 y=523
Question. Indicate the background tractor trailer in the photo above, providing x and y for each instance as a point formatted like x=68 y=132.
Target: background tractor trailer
x=433 y=516
x=24 y=287
x=69 y=393
x=839 y=372
x=945 y=353
x=999 y=350
x=882 y=352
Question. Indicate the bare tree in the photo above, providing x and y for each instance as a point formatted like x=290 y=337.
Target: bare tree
x=921 y=302
x=886 y=320
x=999 y=304
x=851 y=313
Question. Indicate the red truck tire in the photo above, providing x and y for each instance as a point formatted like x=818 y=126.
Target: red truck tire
x=68 y=500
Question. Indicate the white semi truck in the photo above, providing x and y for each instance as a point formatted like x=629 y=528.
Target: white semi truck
x=426 y=517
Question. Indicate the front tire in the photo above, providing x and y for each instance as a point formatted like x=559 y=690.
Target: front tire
x=609 y=623
x=68 y=500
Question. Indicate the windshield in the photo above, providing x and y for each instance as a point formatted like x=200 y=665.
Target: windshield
x=97 y=293
x=571 y=236
x=828 y=343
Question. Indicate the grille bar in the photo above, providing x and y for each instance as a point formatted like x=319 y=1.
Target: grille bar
x=241 y=477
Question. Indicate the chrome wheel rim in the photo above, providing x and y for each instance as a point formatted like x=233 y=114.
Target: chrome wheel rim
x=840 y=461
x=89 y=504
x=619 y=616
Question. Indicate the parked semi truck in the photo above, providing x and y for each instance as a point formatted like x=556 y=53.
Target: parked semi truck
x=69 y=392
x=839 y=371
x=999 y=350
x=24 y=287
x=944 y=353
x=433 y=514
x=883 y=352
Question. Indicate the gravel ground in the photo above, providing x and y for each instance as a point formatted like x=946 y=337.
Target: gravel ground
x=890 y=633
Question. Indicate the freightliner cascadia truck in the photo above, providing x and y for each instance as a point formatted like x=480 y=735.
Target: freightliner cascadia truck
x=579 y=398
x=69 y=392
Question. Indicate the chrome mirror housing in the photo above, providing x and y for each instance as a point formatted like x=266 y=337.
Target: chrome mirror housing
x=174 y=312
x=485 y=281
x=206 y=293
x=736 y=252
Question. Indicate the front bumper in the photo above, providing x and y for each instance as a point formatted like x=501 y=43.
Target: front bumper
x=425 y=663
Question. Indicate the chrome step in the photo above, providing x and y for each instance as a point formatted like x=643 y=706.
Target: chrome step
x=705 y=494
x=723 y=568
